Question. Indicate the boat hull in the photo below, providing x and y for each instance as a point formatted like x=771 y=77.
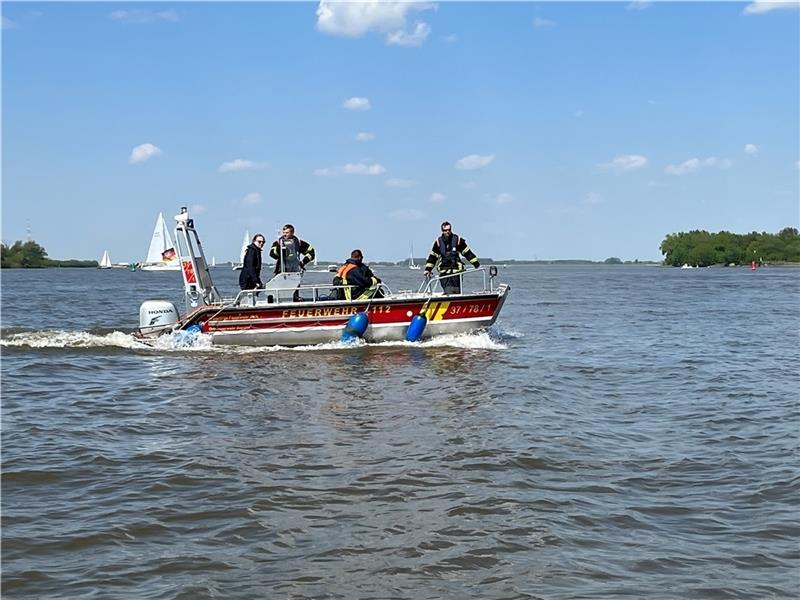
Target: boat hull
x=168 y=267
x=310 y=323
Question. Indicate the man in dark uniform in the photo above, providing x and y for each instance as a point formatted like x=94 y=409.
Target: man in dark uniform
x=358 y=275
x=250 y=276
x=291 y=254
x=447 y=251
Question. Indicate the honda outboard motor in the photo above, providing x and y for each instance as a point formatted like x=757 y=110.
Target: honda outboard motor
x=156 y=314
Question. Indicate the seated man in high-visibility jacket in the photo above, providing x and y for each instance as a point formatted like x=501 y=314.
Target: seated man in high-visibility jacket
x=362 y=281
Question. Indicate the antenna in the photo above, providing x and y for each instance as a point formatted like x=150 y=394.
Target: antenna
x=28 y=229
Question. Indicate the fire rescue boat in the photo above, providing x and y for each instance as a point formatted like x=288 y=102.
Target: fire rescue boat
x=287 y=312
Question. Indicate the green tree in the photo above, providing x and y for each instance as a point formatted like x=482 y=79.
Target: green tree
x=702 y=248
x=23 y=255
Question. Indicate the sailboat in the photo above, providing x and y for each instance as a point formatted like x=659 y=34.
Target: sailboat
x=213 y=261
x=411 y=265
x=105 y=262
x=245 y=244
x=161 y=255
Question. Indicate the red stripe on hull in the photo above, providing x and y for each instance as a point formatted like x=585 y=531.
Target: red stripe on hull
x=385 y=311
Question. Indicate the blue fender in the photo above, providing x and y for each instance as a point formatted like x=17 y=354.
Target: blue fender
x=186 y=338
x=416 y=328
x=355 y=327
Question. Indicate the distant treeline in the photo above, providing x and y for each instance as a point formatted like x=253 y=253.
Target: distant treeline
x=701 y=248
x=485 y=261
x=30 y=255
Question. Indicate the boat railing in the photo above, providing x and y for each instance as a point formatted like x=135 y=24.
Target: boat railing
x=327 y=293
x=429 y=285
x=302 y=293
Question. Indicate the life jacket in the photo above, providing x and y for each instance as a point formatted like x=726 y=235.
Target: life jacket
x=290 y=254
x=344 y=270
x=341 y=279
x=450 y=260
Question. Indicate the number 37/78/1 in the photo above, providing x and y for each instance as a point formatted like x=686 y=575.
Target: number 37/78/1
x=470 y=309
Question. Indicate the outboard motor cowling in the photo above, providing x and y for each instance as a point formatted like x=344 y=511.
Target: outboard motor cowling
x=157 y=314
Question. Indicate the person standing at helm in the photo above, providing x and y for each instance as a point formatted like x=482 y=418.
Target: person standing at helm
x=447 y=251
x=250 y=276
x=362 y=281
x=291 y=254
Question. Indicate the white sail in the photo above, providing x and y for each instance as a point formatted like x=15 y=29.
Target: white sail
x=105 y=262
x=161 y=255
x=245 y=244
x=213 y=261
x=411 y=265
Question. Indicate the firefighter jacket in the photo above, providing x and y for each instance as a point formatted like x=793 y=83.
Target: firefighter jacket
x=447 y=253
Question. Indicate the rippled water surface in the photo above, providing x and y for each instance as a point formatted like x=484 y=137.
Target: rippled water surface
x=621 y=432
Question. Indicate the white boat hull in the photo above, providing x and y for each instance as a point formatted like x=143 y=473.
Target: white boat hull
x=168 y=267
x=317 y=322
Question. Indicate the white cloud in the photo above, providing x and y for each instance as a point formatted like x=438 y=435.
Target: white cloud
x=251 y=199
x=364 y=169
x=407 y=214
x=360 y=168
x=594 y=198
x=539 y=23
x=354 y=19
x=143 y=16
x=241 y=164
x=503 y=198
x=143 y=152
x=356 y=103
x=197 y=209
x=8 y=23
x=473 y=161
x=625 y=162
x=401 y=183
x=412 y=39
x=762 y=6
x=469 y=185
x=579 y=113
x=751 y=149
x=695 y=164
x=797 y=165
x=719 y=163
x=438 y=197
x=689 y=166
x=450 y=38
x=638 y=5
x=363 y=136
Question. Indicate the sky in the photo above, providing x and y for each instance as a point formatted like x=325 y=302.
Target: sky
x=540 y=130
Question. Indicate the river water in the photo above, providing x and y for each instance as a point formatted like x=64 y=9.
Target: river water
x=621 y=431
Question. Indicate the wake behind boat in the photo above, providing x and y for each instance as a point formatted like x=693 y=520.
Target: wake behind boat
x=288 y=313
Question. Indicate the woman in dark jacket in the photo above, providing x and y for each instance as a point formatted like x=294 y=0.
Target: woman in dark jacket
x=250 y=277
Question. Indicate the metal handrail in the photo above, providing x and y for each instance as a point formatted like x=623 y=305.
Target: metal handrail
x=315 y=289
x=428 y=284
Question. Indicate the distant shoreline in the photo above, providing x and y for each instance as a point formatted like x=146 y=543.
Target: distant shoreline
x=505 y=264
